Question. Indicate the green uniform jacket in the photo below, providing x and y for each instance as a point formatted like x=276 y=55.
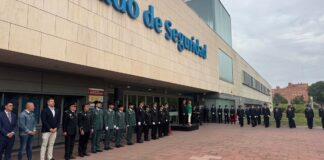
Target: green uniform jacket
x=97 y=119
x=120 y=120
x=189 y=108
x=130 y=117
x=109 y=118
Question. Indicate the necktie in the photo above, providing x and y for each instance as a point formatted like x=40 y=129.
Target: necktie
x=9 y=116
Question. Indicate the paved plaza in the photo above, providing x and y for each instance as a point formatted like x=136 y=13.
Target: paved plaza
x=223 y=142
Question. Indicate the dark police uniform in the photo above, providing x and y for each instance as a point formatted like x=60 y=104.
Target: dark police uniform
x=277 y=113
x=248 y=115
x=206 y=114
x=266 y=115
x=220 y=114
x=69 y=125
x=254 y=117
x=84 y=122
x=290 y=113
x=226 y=115
x=232 y=115
x=321 y=115
x=167 y=122
x=240 y=114
x=147 y=125
x=155 y=121
x=109 y=125
x=309 y=114
x=97 y=126
x=161 y=122
x=213 y=111
x=120 y=127
x=131 y=123
x=197 y=115
x=140 y=118
x=258 y=112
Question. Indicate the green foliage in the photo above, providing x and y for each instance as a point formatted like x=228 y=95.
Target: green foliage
x=277 y=99
x=298 y=100
x=316 y=90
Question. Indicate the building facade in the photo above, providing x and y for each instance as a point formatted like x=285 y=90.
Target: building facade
x=152 y=51
x=292 y=91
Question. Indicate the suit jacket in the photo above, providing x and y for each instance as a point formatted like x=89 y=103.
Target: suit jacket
x=49 y=121
x=70 y=122
x=5 y=125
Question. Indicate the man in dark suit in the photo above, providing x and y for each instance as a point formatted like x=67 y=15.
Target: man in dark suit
x=8 y=129
x=140 y=118
x=277 y=113
x=51 y=118
x=309 y=114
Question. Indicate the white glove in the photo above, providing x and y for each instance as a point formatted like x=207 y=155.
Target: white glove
x=117 y=128
x=139 y=123
x=114 y=126
x=106 y=128
x=153 y=123
x=127 y=126
x=166 y=120
x=159 y=122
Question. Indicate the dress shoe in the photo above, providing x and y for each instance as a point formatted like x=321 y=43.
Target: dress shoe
x=81 y=155
x=86 y=154
x=72 y=157
x=130 y=143
x=99 y=150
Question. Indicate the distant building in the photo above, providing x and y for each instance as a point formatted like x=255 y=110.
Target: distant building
x=292 y=91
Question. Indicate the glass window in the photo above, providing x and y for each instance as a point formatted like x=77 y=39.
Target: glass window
x=132 y=99
x=173 y=104
x=36 y=99
x=14 y=98
x=225 y=67
x=110 y=98
x=141 y=99
x=149 y=100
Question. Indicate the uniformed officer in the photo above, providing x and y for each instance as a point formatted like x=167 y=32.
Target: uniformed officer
x=226 y=115
x=197 y=115
x=131 y=123
x=69 y=125
x=109 y=125
x=161 y=121
x=206 y=114
x=248 y=114
x=147 y=123
x=183 y=115
x=309 y=114
x=84 y=122
x=213 y=113
x=290 y=113
x=232 y=115
x=258 y=112
x=140 y=118
x=167 y=119
x=277 y=113
x=120 y=125
x=254 y=116
x=266 y=115
x=155 y=121
x=220 y=114
x=97 y=126
x=201 y=111
x=321 y=114
x=240 y=115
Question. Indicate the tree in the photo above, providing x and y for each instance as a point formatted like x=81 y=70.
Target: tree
x=278 y=98
x=298 y=100
x=316 y=90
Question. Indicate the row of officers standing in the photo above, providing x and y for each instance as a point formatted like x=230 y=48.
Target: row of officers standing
x=102 y=125
x=253 y=115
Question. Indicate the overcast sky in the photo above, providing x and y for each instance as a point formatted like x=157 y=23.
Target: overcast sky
x=282 y=40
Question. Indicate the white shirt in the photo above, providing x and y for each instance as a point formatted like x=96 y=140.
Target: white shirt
x=52 y=110
x=7 y=113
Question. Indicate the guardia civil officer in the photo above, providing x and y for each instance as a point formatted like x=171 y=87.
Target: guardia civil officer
x=206 y=114
x=84 y=123
x=266 y=115
x=240 y=115
x=220 y=114
x=309 y=114
x=226 y=115
x=140 y=118
x=258 y=112
x=232 y=115
x=109 y=125
x=277 y=113
x=120 y=125
x=290 y=113
x=69 y=125
x=254 y=116
x=196 y=114
x=97 y=127
x=213 y=113
x=147 y=123
x=248 y=114
x=155 y=121
x=130 y=123
x=183 y=108
x=321 y=114
x=161 y=121
x=167 y=119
